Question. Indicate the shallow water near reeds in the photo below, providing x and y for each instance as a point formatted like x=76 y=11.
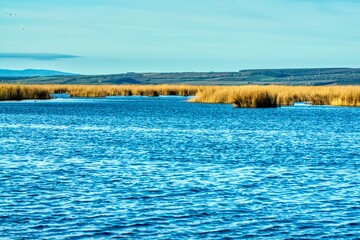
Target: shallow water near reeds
x=162 y=168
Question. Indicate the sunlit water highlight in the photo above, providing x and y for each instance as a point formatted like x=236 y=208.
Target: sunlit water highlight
x=162 y=168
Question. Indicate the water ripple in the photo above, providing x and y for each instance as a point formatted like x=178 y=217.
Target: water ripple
x=166 y=169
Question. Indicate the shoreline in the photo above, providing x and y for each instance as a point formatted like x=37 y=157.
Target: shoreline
x=248 y=96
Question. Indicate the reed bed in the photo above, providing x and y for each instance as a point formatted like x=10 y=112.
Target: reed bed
x=273 y=96
x=21 y=92
x=129 y=90
x=239 y=96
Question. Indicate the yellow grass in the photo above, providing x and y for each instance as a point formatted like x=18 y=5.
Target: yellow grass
x=128 y=90
x=20 y=92
x=271 y=96
x=239 y=96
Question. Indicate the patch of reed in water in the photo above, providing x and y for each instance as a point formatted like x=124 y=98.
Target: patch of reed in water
x=239 y=96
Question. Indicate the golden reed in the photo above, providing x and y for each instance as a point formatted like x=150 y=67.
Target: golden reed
x=239 y=96
x=21 y=92
x=272 y=96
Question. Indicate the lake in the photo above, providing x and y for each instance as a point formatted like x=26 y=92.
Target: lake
x=163 y=168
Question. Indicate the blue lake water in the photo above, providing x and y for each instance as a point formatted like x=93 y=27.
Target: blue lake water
x=162 y=168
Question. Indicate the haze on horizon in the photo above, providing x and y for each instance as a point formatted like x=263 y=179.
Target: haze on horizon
x=115 y=36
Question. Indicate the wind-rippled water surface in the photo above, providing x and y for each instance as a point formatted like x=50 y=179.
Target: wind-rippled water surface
x=162 y=168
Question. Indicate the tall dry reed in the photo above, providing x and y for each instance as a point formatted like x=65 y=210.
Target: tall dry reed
x=240 y=96
x=272 y=96
x=21 y=92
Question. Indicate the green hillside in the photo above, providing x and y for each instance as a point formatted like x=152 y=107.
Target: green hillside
x=310 y=76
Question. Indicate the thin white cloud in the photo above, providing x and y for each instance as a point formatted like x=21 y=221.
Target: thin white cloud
x=37 y=56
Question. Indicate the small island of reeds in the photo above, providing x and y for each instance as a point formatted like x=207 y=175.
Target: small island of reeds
x=250 y=96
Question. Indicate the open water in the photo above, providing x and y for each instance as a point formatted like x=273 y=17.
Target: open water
x=162 y=168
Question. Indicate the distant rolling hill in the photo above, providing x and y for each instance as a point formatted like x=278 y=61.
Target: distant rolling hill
x=32 y=73
x=307 y=76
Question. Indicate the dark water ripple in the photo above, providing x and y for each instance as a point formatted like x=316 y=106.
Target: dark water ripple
x=165 y=169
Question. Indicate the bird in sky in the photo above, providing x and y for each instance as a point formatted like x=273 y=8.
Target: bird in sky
x=11 y=14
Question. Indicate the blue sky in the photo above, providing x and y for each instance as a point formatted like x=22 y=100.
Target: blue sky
x=115 y=36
